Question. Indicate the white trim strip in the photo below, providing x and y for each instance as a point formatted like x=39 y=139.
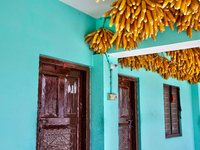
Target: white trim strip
x=157 y=49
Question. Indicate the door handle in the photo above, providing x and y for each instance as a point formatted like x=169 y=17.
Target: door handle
x=43 y=121
x=129 y=123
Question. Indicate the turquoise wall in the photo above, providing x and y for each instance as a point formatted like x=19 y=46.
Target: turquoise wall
x=104 y=112
x=29 y=29
x=110 y=106
x=195 y=89
x=97 y=103
x=151 y=112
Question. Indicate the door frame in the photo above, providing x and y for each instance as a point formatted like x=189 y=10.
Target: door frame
x=85 y=71
x=135 y=106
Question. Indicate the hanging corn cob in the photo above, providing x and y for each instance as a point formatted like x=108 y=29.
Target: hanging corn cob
x=141 y=19
x=124 y=40
x=144 y=18
x=100 y=40
x=151 y=62
x=186 y=14
x=184 y=64
x=188 y=63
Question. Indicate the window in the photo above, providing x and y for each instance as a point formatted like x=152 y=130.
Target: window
x=172 y=111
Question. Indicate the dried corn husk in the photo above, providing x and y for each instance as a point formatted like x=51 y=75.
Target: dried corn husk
x=184 y=64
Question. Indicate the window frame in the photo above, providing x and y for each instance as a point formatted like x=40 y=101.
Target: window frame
x=178 y=109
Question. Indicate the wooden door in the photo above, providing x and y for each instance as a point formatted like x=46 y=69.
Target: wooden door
x=60 y=108
x=128 y=115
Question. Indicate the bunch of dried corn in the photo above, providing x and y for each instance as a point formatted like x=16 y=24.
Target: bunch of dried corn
x=151 y=62
x=143 y=18
x=184 y=6
x=125 y=40
x=140 y=18
x=184 y=64
x=187 y=61
x=100 y=40
x=189 y=20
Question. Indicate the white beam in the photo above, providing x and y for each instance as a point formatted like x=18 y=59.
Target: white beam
x=157 y=49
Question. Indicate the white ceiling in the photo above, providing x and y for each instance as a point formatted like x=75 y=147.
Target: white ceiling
x=90 y=7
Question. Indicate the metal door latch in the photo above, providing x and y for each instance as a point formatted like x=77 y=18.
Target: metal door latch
x=43 y=120
x=129 y=123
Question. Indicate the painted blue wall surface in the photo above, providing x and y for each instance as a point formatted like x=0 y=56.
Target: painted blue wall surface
x=104 y=112
x=195 y=89
x=97 y=103
x=51 y=28
x=29 y=29
x=110 y=106
x=151 y=112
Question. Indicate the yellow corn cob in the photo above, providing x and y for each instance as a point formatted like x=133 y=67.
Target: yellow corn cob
x=178 y=4
x=169 y=14
x=113 y=4
x=87 y=40
x=128 y=12
x=107 y=13
x=129 y=3
x=122 y=4
x=123 y=10
x=149 y=2
x=91 y=34
x=128 y=24
x=143 y=6
x=117 y=19
x=149 y=17
x=137 y=10
x=138 y=2
x=171 y=25
x=113 y=38
x=165 y=3
x=118 y=3
x=155 y=17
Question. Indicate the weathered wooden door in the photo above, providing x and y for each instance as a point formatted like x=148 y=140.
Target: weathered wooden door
x=128 y=115
x=60 y=111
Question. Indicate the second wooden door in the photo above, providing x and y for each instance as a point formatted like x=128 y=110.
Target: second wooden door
x=128 y=124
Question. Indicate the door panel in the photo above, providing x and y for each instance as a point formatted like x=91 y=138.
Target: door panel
x=128 y=130
x=70 y=97
x=125 y=117
x=124 y=103
x=124 y=137
x=60 y=108
x=49 y=99
x=59 y=139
